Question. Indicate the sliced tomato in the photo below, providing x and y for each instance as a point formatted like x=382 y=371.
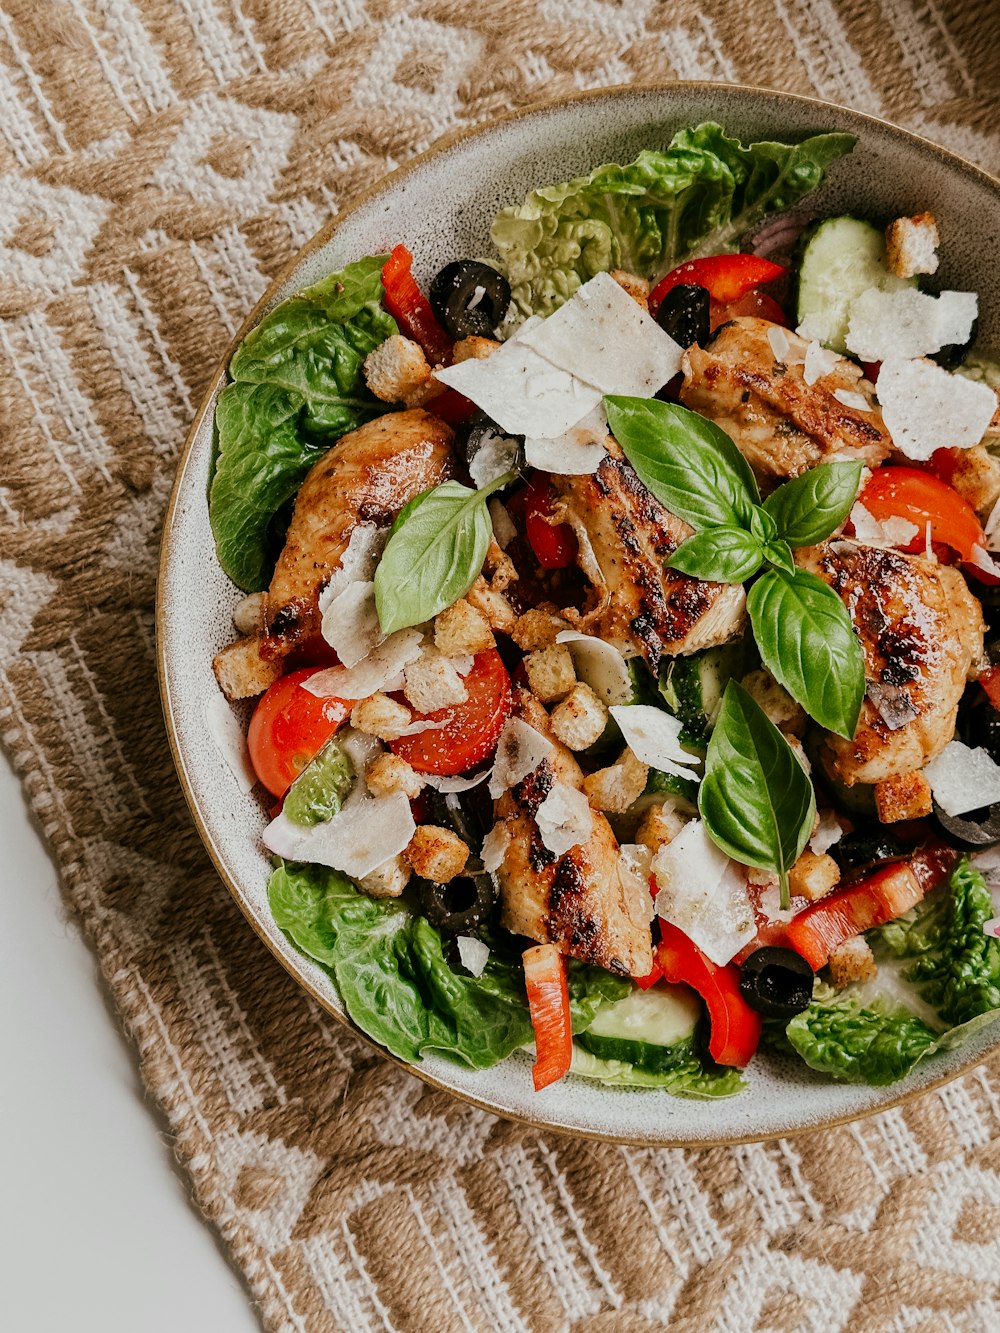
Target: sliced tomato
x=922 y=498
x=451 y=406
x=735 y=1027
x=548 y=1004
x=468 y=732
x=757 y=304
x=990 y=681
x=726 y=278
x=554 y=544
x=289 y=727
x=411 y=309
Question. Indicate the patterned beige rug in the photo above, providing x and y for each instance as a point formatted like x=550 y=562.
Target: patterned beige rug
x=160 y=159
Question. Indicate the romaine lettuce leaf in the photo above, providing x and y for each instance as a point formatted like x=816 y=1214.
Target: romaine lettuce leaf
x=297 y=386
x=839 y=1035
x=692 y=1079
x=696 y=198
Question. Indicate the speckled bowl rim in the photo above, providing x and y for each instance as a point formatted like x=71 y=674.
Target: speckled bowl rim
x=388 y=182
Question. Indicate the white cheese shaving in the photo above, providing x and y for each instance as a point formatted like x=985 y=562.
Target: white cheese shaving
x=992 y=927
x=462 y=662
x=925 y=408
x=378 y=671
x=636 y=859
x=225 y=730
x=769 y=901
x=653 y=736
x=892 y=702
x=869 y=530
x=494 y=847
x=856 y=401
x=447 y=784
x=473 y=953
x=828 y=832
x=963 y=779
x=704 y=893
x=987 y=860
x=359 y=560
x=780 y=345
x=564 y=819
x=520 y=750
x=992 y=529
x=982 y=559
x=908 y=323
x=598 y=664
x=496 y=455
x=350 y=623
x=578 y=452
x=424 y=724
x=367 y=831
x=820 y=361
x=503 y=525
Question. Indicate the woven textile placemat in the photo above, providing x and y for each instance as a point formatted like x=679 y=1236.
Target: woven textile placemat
x=160 y=159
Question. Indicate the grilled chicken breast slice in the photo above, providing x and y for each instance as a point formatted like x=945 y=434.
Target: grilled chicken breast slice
x=625 y=535
x=583 y=902
x=780 y=424
x=922 y=634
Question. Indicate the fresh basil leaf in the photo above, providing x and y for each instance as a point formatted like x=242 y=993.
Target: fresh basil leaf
x=724 y=555
x=807 y=642
x=756 y=799
x=807 y=509
x=762 y=525
x=779 y=554
x=434 y=553
x=689 y=463
x=318 y=793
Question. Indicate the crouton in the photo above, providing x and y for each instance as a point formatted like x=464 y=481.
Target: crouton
x=494 y=606
x=380 y=716
x=388 y=773
x=462 y=629
x=242 y=672
x=499 y=567
x=852 y=961
x=660 y=824
x=249 y=614
x=436 y=853
x=537 y=629
x=776 y=702
x=637 y=288
x=529 y=710
x=975 y=474
x=613 y=789
x=387 y=880
x=813 y=876
x=473 y=349
x=580 y=719
x=431 y=682
x=396 y=370
x=905 y=796
x=550 y=672
x=911 y=245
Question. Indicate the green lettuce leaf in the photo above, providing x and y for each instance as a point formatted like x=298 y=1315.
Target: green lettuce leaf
x=297 y=386
x=696 y=198
x=839 y=1035
x=692 y=1079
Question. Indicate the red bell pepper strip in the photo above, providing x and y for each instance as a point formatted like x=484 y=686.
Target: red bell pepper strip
x=735 y=1027
x=726 y=278
x=990 y=681
x=554 y=544
x=411 y=309
x=758 y=305
x=451 y=406
x=548 y=1004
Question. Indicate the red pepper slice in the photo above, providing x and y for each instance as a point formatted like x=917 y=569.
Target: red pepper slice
x=735 y=1027
x=548 y=1004
x=990 y=681
x=451 y=406
x=726 y=278
x=411 y=309
x=554 y=544
x=758 y=305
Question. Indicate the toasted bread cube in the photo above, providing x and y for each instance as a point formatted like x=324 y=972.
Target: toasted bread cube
x=436 y=853
x=637 y=288
x=660 y=824
x=432 y=683
x=396 y=369
x=911 y=245
x=248 y=617
x=537 y=629
x=387 y=880
x=776 y=702
x=380 y=716
x=615 y=788
x=905 y=796
x=813 y=876
x=462 y=629
x=580 y=719
x=975 y=474
x=852 y=961
x=499 y=566
x=388 y=773
x=242 y=672
x=473 y=349
x=494 y=606
x=550 y=672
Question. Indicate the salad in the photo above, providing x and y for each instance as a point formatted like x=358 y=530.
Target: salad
x=624 y=630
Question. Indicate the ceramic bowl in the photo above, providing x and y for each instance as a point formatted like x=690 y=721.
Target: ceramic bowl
x=441 y=206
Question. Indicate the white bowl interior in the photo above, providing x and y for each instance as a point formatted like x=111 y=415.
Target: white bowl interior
x=441 y=208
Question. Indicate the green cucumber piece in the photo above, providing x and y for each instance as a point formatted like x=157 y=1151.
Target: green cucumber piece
x=692 y=687
x=653 y=1029
x=321 y=788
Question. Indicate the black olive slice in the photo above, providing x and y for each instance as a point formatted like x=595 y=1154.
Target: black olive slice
x=480 y=430
x=470 y=299
x=977 y=828
x=777 y=982
x=685 y=313
x=460 y=905
x=864 y=847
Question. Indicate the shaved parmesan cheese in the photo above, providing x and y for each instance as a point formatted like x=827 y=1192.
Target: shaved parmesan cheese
x=820 y=361
x=495 y=846
x=603 y=337
x=780 y=345
x=519 y=752
x=653 y=736
x=892 y=531
x=425 y=724
x=367 y=831
x=894 y=705
x=858 y=402
x=496 y=455
x=908 y=323
x=963 y=779
x=350 y=623
x=636 y=859
x=992 y=927
x=598 y=664
x=579 y=451
x=987 y=860
x=462 y=662
x=704 y=893
x=982 y=559
x=360 y=557
x=925 y=408
x=225 y=730
x=828 y=832
x=447 y=784
x=564 y=819
x=992 y=528
x=503 y=525
x=586 y=557
x=473 y=953
x=376 y=672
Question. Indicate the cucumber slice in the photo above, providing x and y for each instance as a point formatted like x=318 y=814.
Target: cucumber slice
x=838 y=259
x=692 y=687
x=652 y=1030
x=637 y=686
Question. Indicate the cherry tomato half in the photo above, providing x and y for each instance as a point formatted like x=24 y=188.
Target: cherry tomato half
x=756 y=304
x=289 y=727
x=726 y=278
x=471 y=729
x=922 y=498
x=554 y=544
